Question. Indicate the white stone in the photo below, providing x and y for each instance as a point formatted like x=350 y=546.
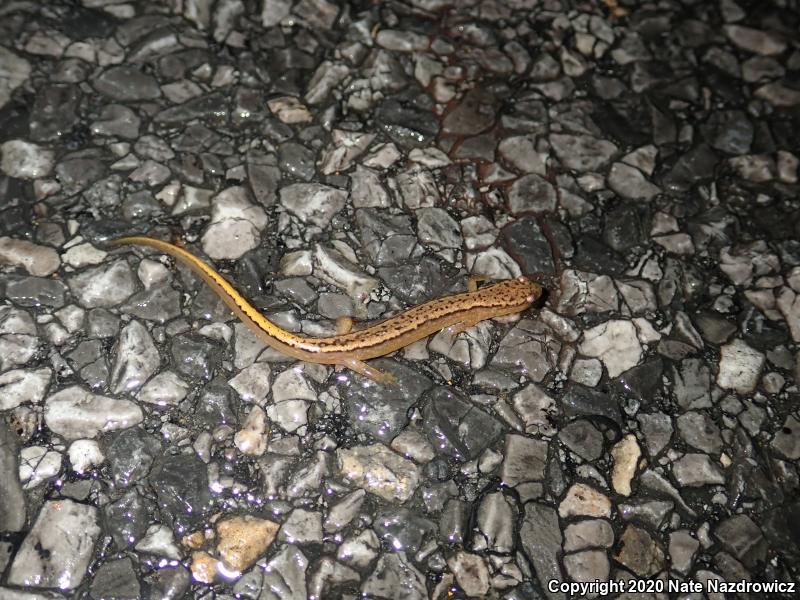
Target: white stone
x=344 y=148
x=37 y=464
x=165 y=389
x=788 y=302
x=235 y=227
x=21 y=385
x=77 y=413
x=252 y=382
x=615 y=343
x=626 y=455
x=103 y=286
x=494 y=263
x=24 y=160
x=252 y=438
x=39 y=261
x=84 y=255
x=739 y=367
x=289 y=415
x=379 y=471
x=49 y=560
x=471 y=573
x=332 y=266
x=136 y=360
x=85 y=455
x=291 y=384
x=14 y=71
x=289 y=110
x=313 y=203
x=159 y=540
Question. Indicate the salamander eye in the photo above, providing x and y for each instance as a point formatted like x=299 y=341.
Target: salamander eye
x=522 y=279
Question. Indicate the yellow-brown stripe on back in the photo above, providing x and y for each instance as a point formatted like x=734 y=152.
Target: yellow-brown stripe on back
x=427 y=315
x=233 y=299
x=501 y=298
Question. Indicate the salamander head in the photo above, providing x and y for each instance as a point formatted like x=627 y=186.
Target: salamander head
x=517 y=294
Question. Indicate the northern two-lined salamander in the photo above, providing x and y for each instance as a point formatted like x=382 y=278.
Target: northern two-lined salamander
x=350 y=348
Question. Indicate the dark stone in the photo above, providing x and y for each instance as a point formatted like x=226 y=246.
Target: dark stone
x=212 y=106
x=177 y=65
x=86 y=353
x=781 y=526
x=80 y=23
x=256 y=267
x=128 y=518
x=130 y=455
x=387 y=239
x=595 y=257
x=524 y=241
x=638 y=551
x=541 y=539
x=89 y=358
x=453 y=521
x=692 y=383
x=455 y=426
x=127 y=82
x=168 y=583
x=729 y=131
x=626 y=120
x=12 y=500
x=381 y=411
x=214 y=406
x=159 y=303
x=14 y=119
x=263 y=178
x=743 y=538
x=475 y=113
x=78 y=172
x=35 y=291
x=696 y=165
x=180 y=482
x=55 y=111
x=560 y=237
x=713 y=327
x=583 y=438
x=580 y=400
x=626 y=226
x=102 y=323
x=115 y=580
x=643 y=382
x=403 y=530
x=297 y=160
x=195 y=356
x=479 y=147
x=407 y=119
x=141 y=205
x=418 y=283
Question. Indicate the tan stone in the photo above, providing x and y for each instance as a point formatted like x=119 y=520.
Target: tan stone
x=626 y=455
x=582 y=500
x=243 y=540
x=204 y=567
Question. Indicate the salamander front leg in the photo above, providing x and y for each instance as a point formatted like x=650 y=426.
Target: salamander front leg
x=473 y=281
x=344 y=325
x=362 y=368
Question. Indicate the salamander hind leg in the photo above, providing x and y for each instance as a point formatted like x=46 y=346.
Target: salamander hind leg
x=362 y=368
x=460 y=327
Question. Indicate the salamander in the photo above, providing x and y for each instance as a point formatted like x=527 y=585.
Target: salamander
x=351 y=347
